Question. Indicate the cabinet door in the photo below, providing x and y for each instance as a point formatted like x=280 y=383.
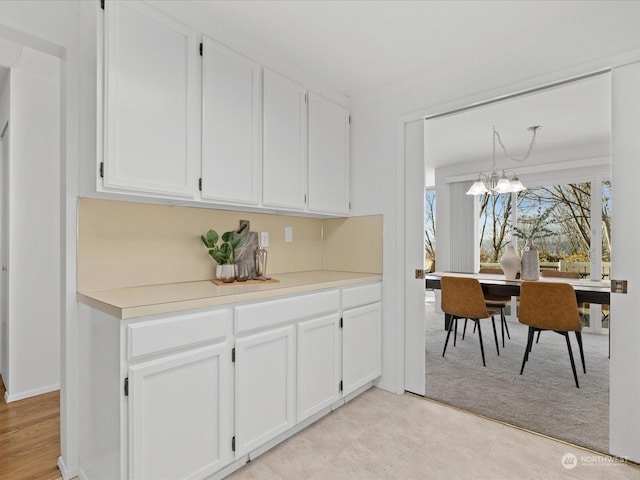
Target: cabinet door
x=284 y=143
x=179 y=415
x=265 y=390
x=151 y=102
x=230 y=125
x=328 y=156
x=361 y=346
x=318 y=365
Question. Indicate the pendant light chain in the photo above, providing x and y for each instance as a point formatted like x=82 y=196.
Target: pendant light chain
x=534 y=129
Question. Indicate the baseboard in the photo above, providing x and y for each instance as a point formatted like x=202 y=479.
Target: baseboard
x=31 y=393
x=388 y=388
x=67 y=473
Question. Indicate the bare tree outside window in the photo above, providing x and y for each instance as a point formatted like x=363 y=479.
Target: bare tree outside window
x=430 y=228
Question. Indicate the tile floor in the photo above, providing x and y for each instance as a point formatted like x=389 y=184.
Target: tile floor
x=379 y=435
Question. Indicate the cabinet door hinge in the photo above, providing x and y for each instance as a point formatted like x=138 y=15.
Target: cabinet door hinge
x=233 y=444
x=340 y=386
x=200 y=48
x=233 y=354
x=200 y=184
x=349 y=119
x=101 y=169
x=341 y=323
x=102 y=4
x=306 y=99
x=305 y=198
x=126 y=387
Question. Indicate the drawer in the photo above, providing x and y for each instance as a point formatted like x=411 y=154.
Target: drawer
x=361 y=295
x=155 y=336
x=273 y=312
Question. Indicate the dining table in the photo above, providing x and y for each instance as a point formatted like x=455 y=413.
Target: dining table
x=587 y=290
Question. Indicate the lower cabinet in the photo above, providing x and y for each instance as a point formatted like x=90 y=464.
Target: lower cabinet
x=318 y=379
x=362 y=361
x=265 y=392
x=185 y=396
x=361 y=336
x=179 y=416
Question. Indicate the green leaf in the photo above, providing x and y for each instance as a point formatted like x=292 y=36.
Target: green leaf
x=212 y=238
x=236 y=242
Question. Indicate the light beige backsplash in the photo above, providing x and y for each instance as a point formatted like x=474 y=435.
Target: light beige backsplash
x=125 y=244
x=353 y=244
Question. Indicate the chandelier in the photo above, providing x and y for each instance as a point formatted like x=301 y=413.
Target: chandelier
x=498 y=180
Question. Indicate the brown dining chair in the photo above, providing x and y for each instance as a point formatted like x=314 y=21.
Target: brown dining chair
x=497 y=302
x=463 y=298
x=550 y=306
x=582 y=308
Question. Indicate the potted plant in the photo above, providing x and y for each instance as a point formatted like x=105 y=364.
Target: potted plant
x=223 y=253
x=537 y=228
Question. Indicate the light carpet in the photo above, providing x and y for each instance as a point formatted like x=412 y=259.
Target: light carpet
x=544 y=399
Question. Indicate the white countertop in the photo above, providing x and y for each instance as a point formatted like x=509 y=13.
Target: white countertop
x=134 y=302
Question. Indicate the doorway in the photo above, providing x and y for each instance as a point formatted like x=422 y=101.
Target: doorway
x=562 y=157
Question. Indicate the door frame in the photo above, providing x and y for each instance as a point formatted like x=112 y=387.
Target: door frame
x=4 y=250
x=621 y=438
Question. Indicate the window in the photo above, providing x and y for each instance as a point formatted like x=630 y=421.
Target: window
x=429 y=230
x=573 y=208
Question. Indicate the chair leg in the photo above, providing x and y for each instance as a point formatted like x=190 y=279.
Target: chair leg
x=579 y=338
x=495 y=335
x=455 y=330
x=464 y=330
x=538 y=339
x=573 y=364
x=527 y=349
x=503 y=322
x=450 y=318
x=480 y=338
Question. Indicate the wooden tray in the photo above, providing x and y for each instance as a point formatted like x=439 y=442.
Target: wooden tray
x=248 y=282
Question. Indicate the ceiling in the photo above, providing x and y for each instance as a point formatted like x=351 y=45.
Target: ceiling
x=358 y=46
x=574 y=114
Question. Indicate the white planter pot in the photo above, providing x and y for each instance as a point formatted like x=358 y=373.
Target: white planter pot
x=227 y=273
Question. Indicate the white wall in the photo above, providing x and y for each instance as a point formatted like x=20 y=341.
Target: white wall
x=34 y=230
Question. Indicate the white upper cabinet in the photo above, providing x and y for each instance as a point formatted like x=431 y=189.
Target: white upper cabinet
x=226 y=133
x=328 y=156
x=285 y=132
x=151 y=102
x=231 y=109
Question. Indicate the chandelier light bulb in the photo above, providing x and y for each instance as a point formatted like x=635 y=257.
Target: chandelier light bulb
x=499 y=181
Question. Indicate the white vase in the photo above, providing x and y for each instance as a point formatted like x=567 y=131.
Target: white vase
x=530 y=264
x=510 y=263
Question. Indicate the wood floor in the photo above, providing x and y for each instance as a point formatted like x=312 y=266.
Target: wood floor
x=30 y=437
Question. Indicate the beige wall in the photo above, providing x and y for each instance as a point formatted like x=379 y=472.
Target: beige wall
x=124 y=244
x=353 y=244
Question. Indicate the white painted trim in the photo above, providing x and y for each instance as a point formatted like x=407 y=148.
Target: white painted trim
x=30 y=393
x=543 y=168
x=400 y=241
x=66 y=473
